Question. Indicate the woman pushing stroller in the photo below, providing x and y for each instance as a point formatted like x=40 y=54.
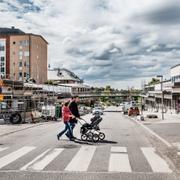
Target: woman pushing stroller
x=66 y=115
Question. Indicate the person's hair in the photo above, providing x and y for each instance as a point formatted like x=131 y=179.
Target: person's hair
x=66 y=103
x=74 y=97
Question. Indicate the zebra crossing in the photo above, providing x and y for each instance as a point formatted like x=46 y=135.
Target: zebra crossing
x=118 y=160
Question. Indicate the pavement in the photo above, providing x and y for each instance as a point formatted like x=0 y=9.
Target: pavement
x=169 y=117
x=6 y=129
x=129 y=151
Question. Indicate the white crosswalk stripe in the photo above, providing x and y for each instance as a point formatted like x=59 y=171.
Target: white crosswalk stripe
x=15 y=155
x=34 y=160
x=3 y=148
x=40 y=165
x=156 y=162
x=119 y=161
x=82 y=159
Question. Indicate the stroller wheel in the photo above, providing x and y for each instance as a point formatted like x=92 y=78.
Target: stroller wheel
x=101 y=136
x=95 y=138
x=90 y=136
x=84 y=137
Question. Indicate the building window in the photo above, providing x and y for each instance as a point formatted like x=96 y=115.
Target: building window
x=27 y=75
x=2 y=64
x=24 y=74
x=2 y=69
x=2 y=48
x=20 y=54
x=25 y=64
x=14 y=42
x=20 y=74
x=26 y=53
x=24 y=43
x=20 y=64
x=2 y=59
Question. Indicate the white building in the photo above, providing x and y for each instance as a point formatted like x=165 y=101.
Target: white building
x=64 y=77
x=171 y=92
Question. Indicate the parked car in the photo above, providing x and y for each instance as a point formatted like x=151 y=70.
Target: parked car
x=97 y=110
x=133 y=111
x=125 y=108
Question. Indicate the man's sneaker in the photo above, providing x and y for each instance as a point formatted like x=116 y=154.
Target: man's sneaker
x=72 y=139
x=58 y=137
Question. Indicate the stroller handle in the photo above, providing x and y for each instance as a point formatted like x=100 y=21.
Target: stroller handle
x=80 y=118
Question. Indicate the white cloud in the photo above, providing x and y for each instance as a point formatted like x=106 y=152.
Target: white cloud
x=103 y=41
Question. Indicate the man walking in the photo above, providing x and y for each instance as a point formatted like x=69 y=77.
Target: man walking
x=73 y=106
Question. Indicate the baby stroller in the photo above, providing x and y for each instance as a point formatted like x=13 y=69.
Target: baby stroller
x=91 y=131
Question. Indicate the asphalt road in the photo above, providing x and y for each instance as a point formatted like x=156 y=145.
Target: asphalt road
x=128 y=152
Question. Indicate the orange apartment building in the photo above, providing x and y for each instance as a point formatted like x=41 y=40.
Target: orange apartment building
x=23 y=56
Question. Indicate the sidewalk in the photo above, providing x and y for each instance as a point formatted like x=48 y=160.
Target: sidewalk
x=168 y=117
x=9 y=128
x=6 y=129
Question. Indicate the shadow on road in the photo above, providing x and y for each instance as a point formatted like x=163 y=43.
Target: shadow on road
x=79 y=141
x=107 y=142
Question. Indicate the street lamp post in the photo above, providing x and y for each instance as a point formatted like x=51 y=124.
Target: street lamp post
x=162 y=100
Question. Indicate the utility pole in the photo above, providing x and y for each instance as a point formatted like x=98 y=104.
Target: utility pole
x=162 y=99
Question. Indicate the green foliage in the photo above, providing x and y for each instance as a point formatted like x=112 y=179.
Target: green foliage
x=154 y=81
x=50 y=82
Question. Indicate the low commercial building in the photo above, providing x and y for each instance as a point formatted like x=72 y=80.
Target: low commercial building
x=152 y=94
x=23 y=56
x=175 y=80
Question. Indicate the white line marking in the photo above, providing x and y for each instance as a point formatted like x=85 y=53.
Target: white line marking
x=177 y=145
x=117 y=149
x=156 y=162
x=15 y=155
x=46 y=160
x=4 y=148
x=34 y=160
x=154 y=134
x=82 y=173
x=119 y=162
x=82 y=159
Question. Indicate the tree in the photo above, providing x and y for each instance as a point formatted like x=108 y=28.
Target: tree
x=154 y=81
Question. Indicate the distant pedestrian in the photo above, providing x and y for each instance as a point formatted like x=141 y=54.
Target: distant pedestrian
x=66 y=115
x=73 y=106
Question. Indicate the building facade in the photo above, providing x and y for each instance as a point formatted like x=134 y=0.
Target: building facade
x=152 y=95
x=175 y=80
x=23 y=56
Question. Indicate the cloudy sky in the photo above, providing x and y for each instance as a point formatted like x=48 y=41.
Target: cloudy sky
x=115 y=42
